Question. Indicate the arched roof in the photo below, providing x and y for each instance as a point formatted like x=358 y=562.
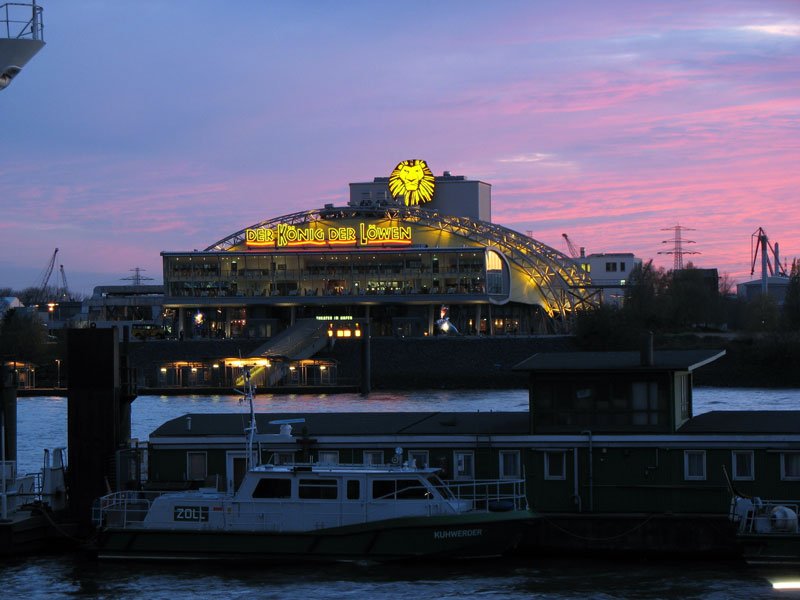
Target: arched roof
x=561 y=283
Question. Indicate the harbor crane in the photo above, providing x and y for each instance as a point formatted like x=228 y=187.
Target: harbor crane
x=41 y=288
x=573 y=251
x=63 y=293
x=759 y=242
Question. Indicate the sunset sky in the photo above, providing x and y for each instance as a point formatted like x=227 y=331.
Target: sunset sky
x=168 y=125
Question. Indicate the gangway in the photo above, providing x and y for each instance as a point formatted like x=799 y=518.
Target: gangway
x=300 y=341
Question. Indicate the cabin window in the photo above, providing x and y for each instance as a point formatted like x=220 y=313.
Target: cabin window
x=509 y=464
x=373 y=457
x=743 y=469
x=273 y=488
x=353 y=489
x=420 y=458
x=400 y=489
x=464 y=465
x=555 y=464
x=694 y=465
x=328 y=457
x=790 y=465
x=196 y=466
x=318 y=489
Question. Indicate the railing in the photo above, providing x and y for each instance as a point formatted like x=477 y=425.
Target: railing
x=763 y=511
x=21 y=21
x=490 y=494
x=122 y=509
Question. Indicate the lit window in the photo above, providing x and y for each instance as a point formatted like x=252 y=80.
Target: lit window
x=555 y=465
x=509 y=464
x=694 y=465
x=790 y=465
x=743 y=469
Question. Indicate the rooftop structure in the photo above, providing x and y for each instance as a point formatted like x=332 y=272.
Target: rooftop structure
x=21 y=37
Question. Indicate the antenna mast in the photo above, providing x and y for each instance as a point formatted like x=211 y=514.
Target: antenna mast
x=137 y=278
x=677 y=242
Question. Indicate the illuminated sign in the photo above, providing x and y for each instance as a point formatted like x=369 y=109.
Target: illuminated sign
x=363 y=234
x=413 y=180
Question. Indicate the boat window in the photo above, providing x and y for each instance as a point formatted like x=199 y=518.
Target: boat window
x=353 y=489
x=273 y=488
x=402 y=489
x=411 y=489
x=318 y=489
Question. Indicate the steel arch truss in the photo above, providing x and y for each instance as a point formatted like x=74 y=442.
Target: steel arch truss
x=560 y=281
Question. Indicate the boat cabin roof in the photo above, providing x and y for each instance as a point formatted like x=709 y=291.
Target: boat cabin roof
x=663 y=360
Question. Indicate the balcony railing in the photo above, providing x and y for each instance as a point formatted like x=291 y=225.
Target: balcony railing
x=21 y=21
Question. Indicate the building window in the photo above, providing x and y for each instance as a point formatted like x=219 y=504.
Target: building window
x=555 y=464
x=196 y=466
x=420 y=458
x=694 y=465
x=644 y=403
x=790 y=465
x=464 y=465
x=283 y=458
x=611 y=267
x=373 y=457
x=742 y=463
x=622 y=266
x=509 y=464
x=328 y=457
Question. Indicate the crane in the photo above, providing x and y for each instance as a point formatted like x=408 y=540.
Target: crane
x=573 y=251
x=64 y=291
x=760 y=241
x=41 y=288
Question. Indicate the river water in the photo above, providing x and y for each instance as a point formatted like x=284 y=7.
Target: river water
x=42 y=423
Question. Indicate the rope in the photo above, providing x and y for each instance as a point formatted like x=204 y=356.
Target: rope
x=598 y=539
x=45 y=512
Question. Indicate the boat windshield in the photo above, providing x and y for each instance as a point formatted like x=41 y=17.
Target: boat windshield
x=441 y=486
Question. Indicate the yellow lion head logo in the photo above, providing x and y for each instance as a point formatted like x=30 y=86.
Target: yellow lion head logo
x=413 y=180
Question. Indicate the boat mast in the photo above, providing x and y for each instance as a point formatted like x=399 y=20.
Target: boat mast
x=251 y=429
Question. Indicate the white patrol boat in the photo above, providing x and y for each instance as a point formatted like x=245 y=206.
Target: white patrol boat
x=317 y=512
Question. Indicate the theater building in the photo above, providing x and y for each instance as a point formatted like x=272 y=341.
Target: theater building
x=413 y=254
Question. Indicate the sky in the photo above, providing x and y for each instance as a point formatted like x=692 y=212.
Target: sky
x=167 y=125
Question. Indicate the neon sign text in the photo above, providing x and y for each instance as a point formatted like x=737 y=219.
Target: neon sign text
x=364 y=234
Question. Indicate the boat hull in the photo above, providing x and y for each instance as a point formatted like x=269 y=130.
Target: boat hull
x=444 y=537
x=770 y=549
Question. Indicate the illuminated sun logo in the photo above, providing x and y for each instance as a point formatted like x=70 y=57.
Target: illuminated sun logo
x=413 y=180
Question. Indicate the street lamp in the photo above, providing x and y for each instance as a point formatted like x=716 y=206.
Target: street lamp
x=58 y=373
